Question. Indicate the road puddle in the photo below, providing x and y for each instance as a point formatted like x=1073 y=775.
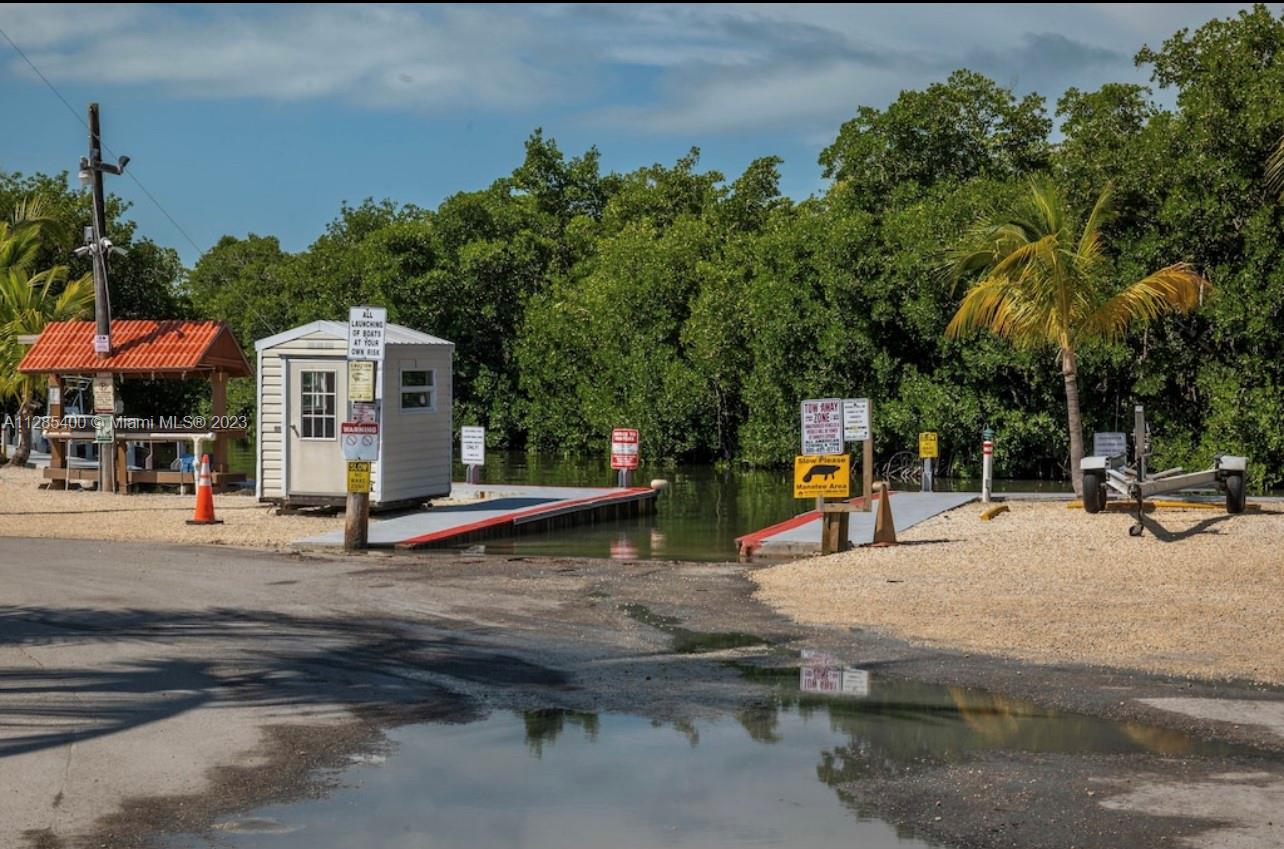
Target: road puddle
x=783 y=770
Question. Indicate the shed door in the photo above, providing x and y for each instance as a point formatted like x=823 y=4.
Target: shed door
x=318 y=403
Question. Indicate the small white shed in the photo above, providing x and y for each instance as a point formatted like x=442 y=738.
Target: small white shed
x=302 y=380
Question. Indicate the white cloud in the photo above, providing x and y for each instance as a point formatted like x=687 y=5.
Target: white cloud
x=655 y=68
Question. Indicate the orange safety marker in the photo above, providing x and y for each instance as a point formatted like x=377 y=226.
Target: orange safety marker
x=204 y=497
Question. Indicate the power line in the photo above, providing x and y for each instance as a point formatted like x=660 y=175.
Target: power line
x=254 y=314
x=105 y=147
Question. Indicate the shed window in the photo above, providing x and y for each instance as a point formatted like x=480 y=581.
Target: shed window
x=317 y=405
x=418 y=390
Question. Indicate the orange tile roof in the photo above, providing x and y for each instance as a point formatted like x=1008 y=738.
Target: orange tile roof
x=139 y=346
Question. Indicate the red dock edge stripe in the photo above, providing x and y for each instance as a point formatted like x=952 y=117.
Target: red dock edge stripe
x=509 y=518
x=749 y=543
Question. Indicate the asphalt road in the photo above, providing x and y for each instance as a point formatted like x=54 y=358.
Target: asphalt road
x=146 y=689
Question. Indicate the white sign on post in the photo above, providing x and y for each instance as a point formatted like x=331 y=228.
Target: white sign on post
x=856 y=419
x=360 y=440
x=822 y=426
x=1110 y=445
x=472 y=445
x=366 y=333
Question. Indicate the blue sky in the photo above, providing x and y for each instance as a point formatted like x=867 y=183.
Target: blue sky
x=263 y=119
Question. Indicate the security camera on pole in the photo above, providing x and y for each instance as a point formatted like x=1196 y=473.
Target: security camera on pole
x=360 y=436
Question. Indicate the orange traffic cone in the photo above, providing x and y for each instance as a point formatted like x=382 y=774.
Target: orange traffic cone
x=204 y=497
x=884 y=527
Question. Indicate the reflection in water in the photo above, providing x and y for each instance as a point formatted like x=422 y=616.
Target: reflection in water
x=544 y=726
x=559 y=779
x=822 y=673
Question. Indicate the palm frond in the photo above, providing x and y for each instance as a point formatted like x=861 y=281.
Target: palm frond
x=1275 y=169
x=1176 y=288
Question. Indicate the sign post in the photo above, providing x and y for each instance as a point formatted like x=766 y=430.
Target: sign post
x=472 y=451
x=856 y=419
x=624 y=453
x=826 y=475
x=987 y=464
x=927 y=452
x=105 y=408
x=360 y=437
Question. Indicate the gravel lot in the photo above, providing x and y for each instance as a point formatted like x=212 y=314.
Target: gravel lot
x=1201 y=594
x=27 y=511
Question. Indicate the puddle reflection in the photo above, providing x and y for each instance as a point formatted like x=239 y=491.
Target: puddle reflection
x=777 y=772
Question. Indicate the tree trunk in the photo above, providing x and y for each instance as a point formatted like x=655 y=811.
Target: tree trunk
x=22 y=445
x=1074 y=419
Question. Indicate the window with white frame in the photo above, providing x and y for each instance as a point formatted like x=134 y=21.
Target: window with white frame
x=418 y=390
x=317 y=405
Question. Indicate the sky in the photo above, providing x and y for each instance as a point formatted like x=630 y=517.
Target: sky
x=264 y=119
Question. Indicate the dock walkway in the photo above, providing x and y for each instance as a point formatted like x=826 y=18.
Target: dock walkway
x=503 y=511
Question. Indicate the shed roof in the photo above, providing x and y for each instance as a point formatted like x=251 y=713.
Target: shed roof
x=394 y=334
x=139 y=346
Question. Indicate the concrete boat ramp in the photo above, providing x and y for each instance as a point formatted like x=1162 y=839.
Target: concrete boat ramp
x=503 y=511
x=801 y=535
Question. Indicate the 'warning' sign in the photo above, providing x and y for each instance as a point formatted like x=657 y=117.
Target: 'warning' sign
x=829 y=475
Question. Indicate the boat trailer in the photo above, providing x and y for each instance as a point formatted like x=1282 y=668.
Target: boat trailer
x=1102 y=475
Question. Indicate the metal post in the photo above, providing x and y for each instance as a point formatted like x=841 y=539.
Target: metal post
x=987 y=470
x=1139 y=440
x=927 y=474
x=867 y=468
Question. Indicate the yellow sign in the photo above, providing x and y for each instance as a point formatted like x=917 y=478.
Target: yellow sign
x=361 y=385
x=358 y=476
x=927 y=445
x=822 y=474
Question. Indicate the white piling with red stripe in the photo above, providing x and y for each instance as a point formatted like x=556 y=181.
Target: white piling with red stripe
x=987 y=469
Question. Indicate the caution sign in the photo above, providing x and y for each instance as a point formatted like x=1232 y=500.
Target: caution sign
x=927 y=445
x=358 y=476
x=822 y=474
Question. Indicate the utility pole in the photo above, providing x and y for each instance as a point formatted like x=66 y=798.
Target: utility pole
x=91 y=172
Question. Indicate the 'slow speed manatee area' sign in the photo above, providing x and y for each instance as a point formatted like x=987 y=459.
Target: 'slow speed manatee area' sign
x=829 y=475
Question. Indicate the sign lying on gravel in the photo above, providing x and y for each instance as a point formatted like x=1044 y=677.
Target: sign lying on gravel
x=822 y=474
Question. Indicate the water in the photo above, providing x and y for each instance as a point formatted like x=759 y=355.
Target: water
x=698 y=516
x=778 y=772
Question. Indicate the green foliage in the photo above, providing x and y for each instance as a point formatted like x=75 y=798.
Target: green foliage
x=702 y=309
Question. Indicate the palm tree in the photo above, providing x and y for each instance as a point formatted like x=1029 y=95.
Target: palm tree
x=1275 y=169
x=27 y=303
x=1041 y=281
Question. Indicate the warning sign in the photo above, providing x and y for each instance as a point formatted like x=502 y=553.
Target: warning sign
x=927 y=445
x=822 y=474
x=358 y=476
x=822 y=426
x=624 y=448
x=359 y=440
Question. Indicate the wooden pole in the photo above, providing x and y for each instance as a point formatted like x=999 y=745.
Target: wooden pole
x=356 y=524
x=57 y=448
x=867 y=473
x=102 y=299
x=218 y=408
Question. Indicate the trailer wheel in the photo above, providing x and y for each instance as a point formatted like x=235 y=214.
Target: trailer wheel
x=1235 y=493
x=1094 y=492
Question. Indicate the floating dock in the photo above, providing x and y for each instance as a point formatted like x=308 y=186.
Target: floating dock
x=501 y=511
x=800 y=535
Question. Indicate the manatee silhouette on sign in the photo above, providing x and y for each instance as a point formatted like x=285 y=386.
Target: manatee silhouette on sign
x=824 y=470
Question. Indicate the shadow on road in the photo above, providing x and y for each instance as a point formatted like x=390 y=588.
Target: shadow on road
x=236 y=658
